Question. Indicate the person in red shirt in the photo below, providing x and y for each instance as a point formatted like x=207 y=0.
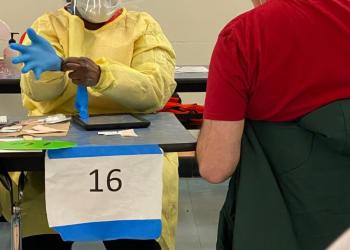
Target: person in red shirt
x=276 y=64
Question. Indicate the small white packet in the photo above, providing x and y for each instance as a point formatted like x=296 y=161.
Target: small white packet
x=128 y=133
x=123 y=133
x=108 y=133
x=56 y=119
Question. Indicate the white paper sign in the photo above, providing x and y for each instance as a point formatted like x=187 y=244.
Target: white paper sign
x=105 y=193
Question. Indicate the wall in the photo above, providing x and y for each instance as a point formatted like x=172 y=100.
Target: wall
x=191 y=25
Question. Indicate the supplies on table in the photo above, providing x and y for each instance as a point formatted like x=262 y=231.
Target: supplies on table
x=11 y=129
x=56 y=119
x=41 y=129
x=52 y=126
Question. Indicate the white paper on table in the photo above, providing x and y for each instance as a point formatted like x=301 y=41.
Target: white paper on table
x=342 y=243
x=192 y=69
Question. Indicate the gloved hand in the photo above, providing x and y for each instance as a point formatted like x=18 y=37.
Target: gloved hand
x=39 y=57
x=85 y=73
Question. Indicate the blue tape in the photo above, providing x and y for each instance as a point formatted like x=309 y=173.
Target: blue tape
x=82 y=102
x=111 y=230
x=96 y=151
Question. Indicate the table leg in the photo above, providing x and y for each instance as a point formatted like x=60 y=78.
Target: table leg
x=16 y=239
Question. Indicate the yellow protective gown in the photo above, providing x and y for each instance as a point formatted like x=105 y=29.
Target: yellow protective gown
x=137 y=75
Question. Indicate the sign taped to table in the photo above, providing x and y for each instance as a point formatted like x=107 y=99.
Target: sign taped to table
x=104 y=192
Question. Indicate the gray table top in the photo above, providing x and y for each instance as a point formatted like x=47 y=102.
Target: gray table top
x=165 y=130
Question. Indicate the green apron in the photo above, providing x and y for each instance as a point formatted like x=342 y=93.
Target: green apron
x=292 y=187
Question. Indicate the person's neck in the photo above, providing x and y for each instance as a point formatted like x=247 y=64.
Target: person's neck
x=92 y=26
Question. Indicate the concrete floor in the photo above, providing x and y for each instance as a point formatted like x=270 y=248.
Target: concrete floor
x=200 y=204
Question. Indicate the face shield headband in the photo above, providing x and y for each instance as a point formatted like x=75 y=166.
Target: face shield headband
x=96 y=11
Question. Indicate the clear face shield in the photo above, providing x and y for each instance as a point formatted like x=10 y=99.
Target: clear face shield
x=96 y=11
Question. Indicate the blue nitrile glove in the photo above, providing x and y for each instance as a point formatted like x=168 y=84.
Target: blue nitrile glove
x=82 y=102
x=39 y=57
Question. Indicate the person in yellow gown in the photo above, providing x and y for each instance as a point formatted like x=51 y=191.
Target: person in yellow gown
x=128 y=65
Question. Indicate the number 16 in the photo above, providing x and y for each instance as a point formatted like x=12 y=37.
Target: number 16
x=109 y=181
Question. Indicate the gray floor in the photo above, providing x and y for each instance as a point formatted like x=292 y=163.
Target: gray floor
x=198 y=215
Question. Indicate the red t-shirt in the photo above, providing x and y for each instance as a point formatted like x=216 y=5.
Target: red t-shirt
x=280 y=61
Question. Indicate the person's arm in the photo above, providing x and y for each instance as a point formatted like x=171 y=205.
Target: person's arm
x=218 y=149
x=148 y=83
x=219 y=142
x=51 y=84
